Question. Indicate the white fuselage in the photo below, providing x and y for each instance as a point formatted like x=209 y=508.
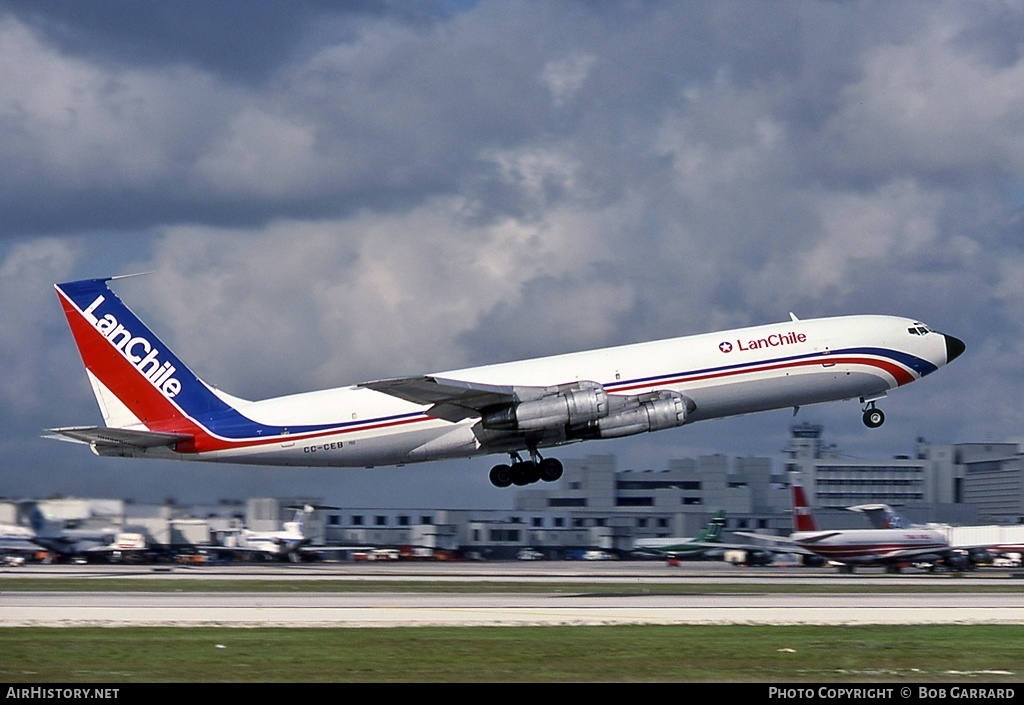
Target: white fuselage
x=868 y=546
x=728 y=373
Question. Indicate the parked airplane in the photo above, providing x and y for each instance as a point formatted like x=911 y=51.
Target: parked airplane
x=17 y=540
x=900 y=544
x=153 y=406
x=1000 y=540
x=69 y=540
x=285 y=544
x=698 y=548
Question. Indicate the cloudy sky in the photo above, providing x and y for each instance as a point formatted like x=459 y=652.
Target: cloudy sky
x=333 y=192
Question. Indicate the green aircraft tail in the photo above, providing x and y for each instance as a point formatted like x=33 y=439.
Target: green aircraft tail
x=712 y=533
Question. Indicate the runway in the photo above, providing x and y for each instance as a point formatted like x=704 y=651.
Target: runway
x=899 y=603
x=446 y=609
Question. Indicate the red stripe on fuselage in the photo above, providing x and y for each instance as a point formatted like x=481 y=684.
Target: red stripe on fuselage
x=880 y=550
x=211 y=443
x=900 y=374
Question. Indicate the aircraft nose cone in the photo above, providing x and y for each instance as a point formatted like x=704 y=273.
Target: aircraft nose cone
x=954 y=348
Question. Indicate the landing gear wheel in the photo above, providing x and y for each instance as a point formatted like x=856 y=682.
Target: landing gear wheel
x=524 y=473
x=501 y=475
x=550 y=469
x=873 y=418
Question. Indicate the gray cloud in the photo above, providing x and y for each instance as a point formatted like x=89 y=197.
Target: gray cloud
x=339 y=195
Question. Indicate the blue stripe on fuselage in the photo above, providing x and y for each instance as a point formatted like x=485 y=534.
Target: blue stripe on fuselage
x=918 y=365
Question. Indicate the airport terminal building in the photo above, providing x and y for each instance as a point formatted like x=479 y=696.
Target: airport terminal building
x=598 y=507
x=956 y=484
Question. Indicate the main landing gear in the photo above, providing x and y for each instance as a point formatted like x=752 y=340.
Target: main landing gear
x=873 y=418
x=524 y=472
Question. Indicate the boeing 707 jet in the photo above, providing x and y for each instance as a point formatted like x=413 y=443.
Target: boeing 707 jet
x=154 y=406
x=893 y=543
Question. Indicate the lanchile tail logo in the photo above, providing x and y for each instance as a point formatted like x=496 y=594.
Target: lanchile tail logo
x=143 y=355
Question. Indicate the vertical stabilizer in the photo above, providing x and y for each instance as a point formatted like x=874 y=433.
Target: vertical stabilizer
x=712 y=533
x=882 y=516
x=803 y=518
x=137 y=380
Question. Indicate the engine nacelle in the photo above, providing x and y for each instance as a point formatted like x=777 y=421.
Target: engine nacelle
x=578 y=403
x=979 y=555
x=652 y=412
x=957 y=562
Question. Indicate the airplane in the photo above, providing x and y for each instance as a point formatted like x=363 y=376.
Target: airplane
x=68 y=543
x=285 y=544
x=707 y=546
x=883 y=516
x=893 y=543
x=69 y=540
x=698 y=548
x=17 y=543
x=154 y=406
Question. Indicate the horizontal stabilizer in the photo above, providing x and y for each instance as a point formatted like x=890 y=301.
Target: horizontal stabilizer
x=121 y=437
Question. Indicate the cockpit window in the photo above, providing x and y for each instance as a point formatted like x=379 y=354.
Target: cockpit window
x=918 y=329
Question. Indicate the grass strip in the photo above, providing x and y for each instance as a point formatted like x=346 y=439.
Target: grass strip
x=732 y=653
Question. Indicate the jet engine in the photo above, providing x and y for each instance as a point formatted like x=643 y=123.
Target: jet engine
x=566 y=405
x=639 y=414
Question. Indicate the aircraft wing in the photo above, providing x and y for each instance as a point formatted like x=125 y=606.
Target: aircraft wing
x=449 y=399
x=675 y=550
x=909 y=554
x=119 y=437
x=782 y=544
x=967 y=548
x=18 y=544
x=765 y=537
x=708 y=550
x=110 y=548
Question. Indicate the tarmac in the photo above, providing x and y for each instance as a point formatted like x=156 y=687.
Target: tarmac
x=893 y=600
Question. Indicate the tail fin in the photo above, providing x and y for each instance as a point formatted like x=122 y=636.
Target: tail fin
x=297 y=525
x=149 y=399
x=882 y=516
x=803 y=518
x=712 y=533
x=137 y=380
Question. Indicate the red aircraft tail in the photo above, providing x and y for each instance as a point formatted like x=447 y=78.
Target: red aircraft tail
x=803 y=518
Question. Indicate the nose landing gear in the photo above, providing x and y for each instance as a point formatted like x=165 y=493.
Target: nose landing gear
x=873 y=418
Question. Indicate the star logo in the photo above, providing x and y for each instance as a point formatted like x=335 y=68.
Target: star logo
x=725 y=347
